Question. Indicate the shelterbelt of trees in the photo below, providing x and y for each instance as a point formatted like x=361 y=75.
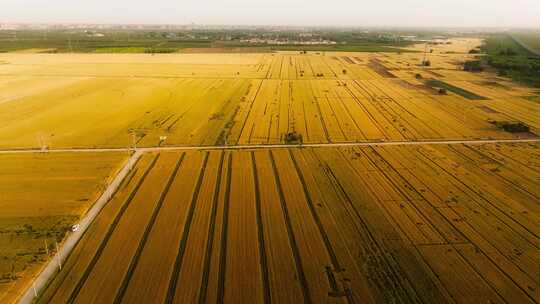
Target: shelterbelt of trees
x=515 y=57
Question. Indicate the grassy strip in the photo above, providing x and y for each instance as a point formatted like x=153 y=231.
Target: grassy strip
x=62 y=44
x=342 y=48
x=99 y=46
x=456 y=90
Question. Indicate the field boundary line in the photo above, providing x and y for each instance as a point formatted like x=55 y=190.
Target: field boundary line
x=179 y=260
x=211 y=232
x=223 y=234
x=260 y=232
x=149 y=228
x=299 y=267
x=324 y=236
x=394 y=273
x=278 y=146
x=43 y=278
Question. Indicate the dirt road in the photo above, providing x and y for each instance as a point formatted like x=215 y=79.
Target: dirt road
x=51 y=268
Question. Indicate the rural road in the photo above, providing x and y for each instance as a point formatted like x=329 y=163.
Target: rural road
x=524 y=45
x=40 y=282
x=277 y=146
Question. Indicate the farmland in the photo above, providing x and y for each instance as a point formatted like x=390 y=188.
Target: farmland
x=269 y=177
x=41 y=196
x=453 y=46
x=396 y=224
x=105 y=100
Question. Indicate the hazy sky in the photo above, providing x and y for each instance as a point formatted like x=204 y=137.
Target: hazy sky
x=501 y=13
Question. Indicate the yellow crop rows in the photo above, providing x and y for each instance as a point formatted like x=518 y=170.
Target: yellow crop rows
x=328 y=225
x=208 y=99
x=420 y=222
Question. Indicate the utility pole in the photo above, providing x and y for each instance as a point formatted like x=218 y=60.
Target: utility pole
x=58 y=256
x=134 y=136
x=46 y=32
x=425 y=54
x=42 y=141
x=69 y=43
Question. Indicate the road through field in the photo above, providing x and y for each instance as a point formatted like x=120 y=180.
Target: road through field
x=524 y=45
x=279 y=146
x=40 y=282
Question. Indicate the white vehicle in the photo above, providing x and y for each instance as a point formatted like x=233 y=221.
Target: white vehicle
x=75 y=227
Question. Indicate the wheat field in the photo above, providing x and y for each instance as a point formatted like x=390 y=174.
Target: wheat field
x=220 y=220
x=41 y=196
x=424 y=223
x=69 y=101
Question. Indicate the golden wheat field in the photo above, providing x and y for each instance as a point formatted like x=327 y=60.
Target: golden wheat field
x=41 y=196
x=381 y=224
x=459 y=45
x=215 y=214
x=105 y=100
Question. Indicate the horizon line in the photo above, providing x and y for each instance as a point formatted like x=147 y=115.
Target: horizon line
x=456 y=27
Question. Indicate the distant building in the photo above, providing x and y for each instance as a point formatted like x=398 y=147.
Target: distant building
x=408 y=38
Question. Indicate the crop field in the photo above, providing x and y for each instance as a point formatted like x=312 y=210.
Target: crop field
x=386 y=224
x=41 y=196
x=107 y=100
x=212 y=215
x=455 y=46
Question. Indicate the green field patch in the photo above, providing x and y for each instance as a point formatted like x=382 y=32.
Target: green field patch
x=28 y=242
x=535 y=98
x=438 y=84
x=493 y=84
x=343 y=48
x=120 y=50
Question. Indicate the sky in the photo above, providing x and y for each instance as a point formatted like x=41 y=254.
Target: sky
x=441 y=13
